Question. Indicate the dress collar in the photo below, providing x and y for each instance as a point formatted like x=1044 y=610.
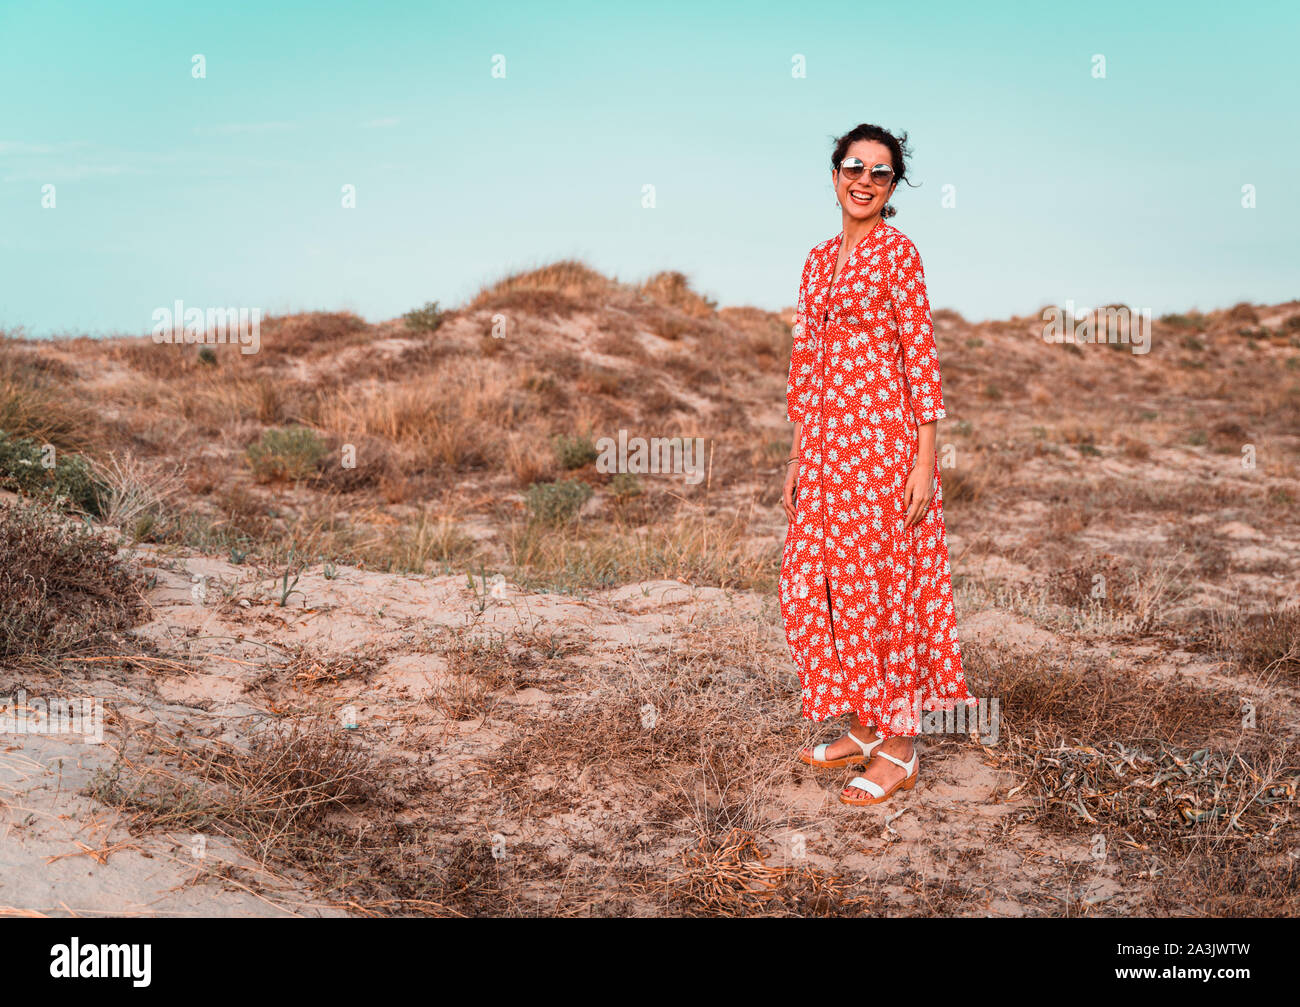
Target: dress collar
x=829 y=268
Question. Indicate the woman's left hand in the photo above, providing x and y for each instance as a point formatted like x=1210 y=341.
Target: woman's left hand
x=920 y=491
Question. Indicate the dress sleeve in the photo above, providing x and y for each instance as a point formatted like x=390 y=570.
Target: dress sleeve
x=916 y=333
x=802 y=352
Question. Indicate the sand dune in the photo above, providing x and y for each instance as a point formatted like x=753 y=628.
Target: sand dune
x=474 y=675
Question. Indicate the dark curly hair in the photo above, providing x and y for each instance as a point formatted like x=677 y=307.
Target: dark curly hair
x=898 y=152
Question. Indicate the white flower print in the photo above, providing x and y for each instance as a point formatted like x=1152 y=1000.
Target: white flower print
x=864 y=373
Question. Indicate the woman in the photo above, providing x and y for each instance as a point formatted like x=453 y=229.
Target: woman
x=866 y=593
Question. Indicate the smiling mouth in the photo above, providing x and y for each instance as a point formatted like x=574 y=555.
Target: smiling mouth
x=861 y=198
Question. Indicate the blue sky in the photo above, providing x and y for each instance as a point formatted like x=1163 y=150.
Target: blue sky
x=226 y=190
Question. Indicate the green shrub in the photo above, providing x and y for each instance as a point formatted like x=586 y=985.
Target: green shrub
x=558 y=502
x=1193 y=321
x=575 y=452
x=425 y=319
x=292 y=453
x=70 y=479
x=625 y=485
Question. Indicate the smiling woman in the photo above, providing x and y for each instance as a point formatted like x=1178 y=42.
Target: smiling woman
x=866 y=593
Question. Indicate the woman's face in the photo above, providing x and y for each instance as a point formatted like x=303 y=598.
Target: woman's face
x=862 y=198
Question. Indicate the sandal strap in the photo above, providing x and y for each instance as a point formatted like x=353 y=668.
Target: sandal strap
x=868 y=747
x=908 y=766
x=819 y=753
x=870 y=786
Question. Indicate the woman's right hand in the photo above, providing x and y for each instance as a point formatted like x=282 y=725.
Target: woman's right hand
x=788 y=492
x=792 y=472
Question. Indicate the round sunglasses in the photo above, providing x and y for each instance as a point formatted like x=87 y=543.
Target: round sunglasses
x=852 y=169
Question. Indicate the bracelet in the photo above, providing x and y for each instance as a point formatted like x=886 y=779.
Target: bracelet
x=791 y=460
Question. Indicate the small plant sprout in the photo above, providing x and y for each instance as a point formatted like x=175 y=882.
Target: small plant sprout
x=287 y=588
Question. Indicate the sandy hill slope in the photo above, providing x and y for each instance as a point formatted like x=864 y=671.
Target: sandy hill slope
x=389 y=641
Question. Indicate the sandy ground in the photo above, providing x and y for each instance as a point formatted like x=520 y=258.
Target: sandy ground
x=63 y=853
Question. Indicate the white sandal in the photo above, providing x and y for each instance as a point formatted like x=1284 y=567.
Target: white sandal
x=877 y=792
x=819 y=759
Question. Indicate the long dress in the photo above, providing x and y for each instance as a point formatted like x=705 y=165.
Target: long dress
x=866 y=602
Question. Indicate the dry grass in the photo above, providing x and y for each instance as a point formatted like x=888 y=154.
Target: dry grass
x=62 y=588
x=432 y=430
x=432 y=543
x=693 y=546
x=1265 y=645
x=1083 y=699
x=312 y=334
x=731 y=877
x=674 y=289
x=276 y=796
x=135 y=495
x=1169 y=772
x=673 y=757
x=34 y=402
x=313 y=798
x=1131 y=598
x=557 y=288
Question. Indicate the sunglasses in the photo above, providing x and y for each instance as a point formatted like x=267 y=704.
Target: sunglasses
x=852 y=169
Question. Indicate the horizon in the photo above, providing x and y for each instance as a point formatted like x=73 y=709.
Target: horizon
x=227 y=189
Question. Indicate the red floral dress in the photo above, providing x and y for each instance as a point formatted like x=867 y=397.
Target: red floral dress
x=867 y=603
